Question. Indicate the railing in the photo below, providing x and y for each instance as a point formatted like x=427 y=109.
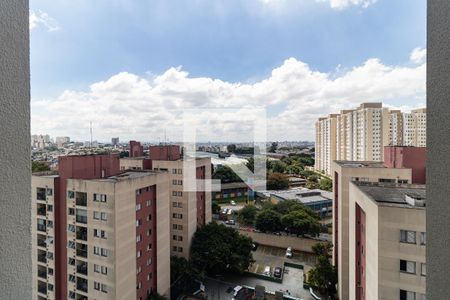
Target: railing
x=42 y=258
x=82 y=269
x=82 y=252
x=41 y=227
x=81 y=219
x=42 y=274
x=82 y=235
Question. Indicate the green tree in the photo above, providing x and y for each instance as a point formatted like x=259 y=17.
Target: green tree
x=273 y=147
x=300 y=222
x=247 y=215
x=39 y=166
x=217 y=249
x=231 y=148
x=215 y=207
x=326 y=184
x=277 y=166
x=225 y=174
x=268 y=220
x=323 y=276
x=179 y=266
x=277 y=181
x=313 y=178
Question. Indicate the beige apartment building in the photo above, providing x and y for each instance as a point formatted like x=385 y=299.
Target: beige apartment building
x=361 y=134
x=43 y=233
x=387 y=242
x=345 y=172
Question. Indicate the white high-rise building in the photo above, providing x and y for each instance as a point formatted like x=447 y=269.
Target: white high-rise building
x=361 y=134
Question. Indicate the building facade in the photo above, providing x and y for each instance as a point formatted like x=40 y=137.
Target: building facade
x=387 y=242
x=362 y=133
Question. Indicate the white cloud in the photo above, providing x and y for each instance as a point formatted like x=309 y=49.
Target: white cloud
x=340 y=4
x=39 y=17
x=418 y=55
x=133 y=107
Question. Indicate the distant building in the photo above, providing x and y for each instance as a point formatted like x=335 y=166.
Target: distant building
x=40 y=141
x=387 y=242
x=136 y=149
x=361 y=134
x=61 y=141
x=231 y=190
x=115 y=141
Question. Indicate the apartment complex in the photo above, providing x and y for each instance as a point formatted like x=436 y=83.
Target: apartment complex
x=100 y=233
x=362 y=133
x=188 y=209
x=388 y=241
x=402 y=165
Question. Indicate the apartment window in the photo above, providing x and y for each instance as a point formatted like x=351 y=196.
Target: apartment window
x=174 y=193
x=99 y=198
x=180 y=182
x=71 y=211
x=138 y=207
x=407 y=236
x=423 y=269
x=174 y=181
x=50 y=287
x=180 y=249
x=50 y=271
x=50 y=255
x=174 y=248
x=71 y=278
x=138 y=192
x=149 y=262
x=49 y=192
x=149 y=202
x=104 y=216
x=72 y=295
x=180 y=171
x=138 y=222
x=177 y=227
x=138 y=238
x=139 y=253
x=149 y=276
x=71 y=228
x=96 y=215
x=97 y=269
x=386 y=180
x=104 y=288
x=149 y=232
x=407 y=266
x=407 y=295
x=138 y=270
x=138 y=286
x=71 y=261
x=104 y=252
x=96 y=250
x=50 y=224
x=50 y=208
x=402 y=181
x=149 y=217
x=96 y=285
x=179 y=194
x=149 y=247
x=71 y=194
x=71 y=244
x=174 y=171
x=423 y=238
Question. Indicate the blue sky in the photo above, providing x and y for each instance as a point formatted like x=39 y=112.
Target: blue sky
x=75 y=44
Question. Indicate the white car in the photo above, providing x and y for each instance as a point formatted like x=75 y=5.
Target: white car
x=236 y=290
x=289 y=252
x=267 y=271
x=232 y=202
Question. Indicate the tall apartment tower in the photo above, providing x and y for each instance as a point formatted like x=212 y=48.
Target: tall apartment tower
x=387 y=241
x=106 y=232
x=362 y=133
x=188 y=210
x=325 y=143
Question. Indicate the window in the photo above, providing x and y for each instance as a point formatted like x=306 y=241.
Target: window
x=138 y=222
x=71 y=278
x=138 y=192
x=97 y=269
x=99 y=198
x=104 y=270
x=138 y=207
x=49 y=192
x=149 y=262
x=104 y=252
x=149 y=202
x=407 y=295
x=96 y=286
x=104 y=289
x=423 y=269
x=71 y=211
x=180 y=171
x=180 y=249
x=71 y=194
x=72 y=295
x=180 y=182
x=139 y=253
x=96 y=215
x=71 y=261
x=407 y=266
x=174 y=171
x=149 y=247
x=149 y=232
x=138 y=286
x=49 y=207
x=71 y=244
x=138 y=270
x=50 y=287
x=423 y=238
x=177 y=227
x=50 y=271
x=71 y=228
x=174 y=181
x=50 y=224
x=149 y=217
x=104 y=216
x=407 y=236
x=96 y=250
x=138 y=238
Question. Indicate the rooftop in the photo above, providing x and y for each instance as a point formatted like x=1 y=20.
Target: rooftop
x=399 y=195
x=303 y=195
x=360 y=164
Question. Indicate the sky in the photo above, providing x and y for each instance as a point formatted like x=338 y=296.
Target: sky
x=134 y=68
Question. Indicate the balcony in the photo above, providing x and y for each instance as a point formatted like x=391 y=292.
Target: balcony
x=82 y=268
x=82 y=250
x=82 y=284
x=42 y=256
x=42 y=287
x=81 y=216
x=41 y=210
x=41 y=240
x=42 y=225
x=81 y=199
x=40 y=194
x=82 y=233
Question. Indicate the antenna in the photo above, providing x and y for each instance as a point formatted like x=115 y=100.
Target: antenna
x=165 y=138
x=91 y=134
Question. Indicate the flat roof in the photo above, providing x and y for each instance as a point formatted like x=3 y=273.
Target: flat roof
x=392 y=194
x=360 y=164
x=302 y=195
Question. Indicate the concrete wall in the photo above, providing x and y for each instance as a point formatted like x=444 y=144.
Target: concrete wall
x=15 y=178
x=300 y=244
x=438 y=164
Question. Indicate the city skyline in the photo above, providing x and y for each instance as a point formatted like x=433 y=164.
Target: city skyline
x=134 y=80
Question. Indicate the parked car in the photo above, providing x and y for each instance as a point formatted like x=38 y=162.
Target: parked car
x=236 y=290
x=232 y=202
x=289 y=252
x=268 y=271
x=277 y=272
x=255 y=246
x=230 y=222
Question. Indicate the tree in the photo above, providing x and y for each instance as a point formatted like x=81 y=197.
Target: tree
x=277 y=181
x=247 y=215
x=215 y=207
x=231 y=148
x=300 y=222
x=217 y=249
x=123 y=154
x=225 y=174
x=323 y=276
x=39 y=166
x=268 y=220
x=277 y=166
x=326 y=184
x=273 y=147
x=313 y=178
